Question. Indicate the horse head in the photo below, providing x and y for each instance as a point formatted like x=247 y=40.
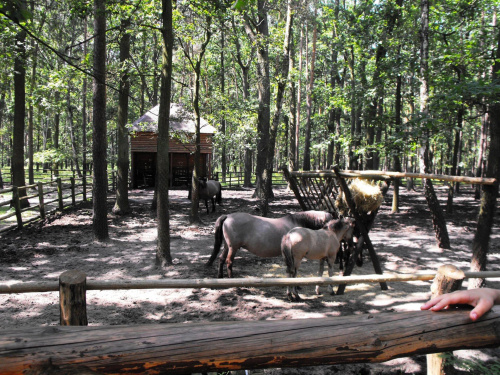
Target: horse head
x=343 y=228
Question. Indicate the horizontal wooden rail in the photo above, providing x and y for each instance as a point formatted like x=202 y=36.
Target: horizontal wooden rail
x=53 y=286
x=215 y=346
x=388 y=174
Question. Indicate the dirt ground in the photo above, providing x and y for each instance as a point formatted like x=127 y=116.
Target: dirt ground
x=404 y=243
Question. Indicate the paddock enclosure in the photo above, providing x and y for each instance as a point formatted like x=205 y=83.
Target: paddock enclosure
x=404 y=243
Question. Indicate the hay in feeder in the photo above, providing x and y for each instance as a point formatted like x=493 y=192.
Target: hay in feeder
x=367 y=196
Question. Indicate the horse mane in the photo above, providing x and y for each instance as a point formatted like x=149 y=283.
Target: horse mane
x=311 y=220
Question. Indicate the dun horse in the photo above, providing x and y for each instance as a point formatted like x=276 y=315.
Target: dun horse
x=322 y=244
x=259 y=235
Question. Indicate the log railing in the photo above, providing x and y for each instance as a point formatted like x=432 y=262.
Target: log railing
x=51 y=196
x=180 y=348
x=218 y=346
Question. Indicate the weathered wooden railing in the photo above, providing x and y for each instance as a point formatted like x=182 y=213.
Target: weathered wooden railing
x=200 y=347
x=61 y=192
x=181 y=348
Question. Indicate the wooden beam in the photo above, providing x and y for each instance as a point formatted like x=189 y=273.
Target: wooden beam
x=387 y=174
x=200 y=347
x=255 y=282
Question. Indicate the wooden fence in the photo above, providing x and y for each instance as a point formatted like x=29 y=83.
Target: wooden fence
x=50 y=196
x=188 y=348
x=237 y=179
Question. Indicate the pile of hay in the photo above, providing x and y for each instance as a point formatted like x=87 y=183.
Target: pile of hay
x=366 y=195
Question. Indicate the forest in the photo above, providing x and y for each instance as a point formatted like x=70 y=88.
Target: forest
x=378 y=85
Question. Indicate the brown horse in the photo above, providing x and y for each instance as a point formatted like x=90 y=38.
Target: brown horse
x=322 y=245
x=259 y=235
x=210 y=189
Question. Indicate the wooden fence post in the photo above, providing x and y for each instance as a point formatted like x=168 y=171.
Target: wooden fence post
x=60 y=193
x=72 y=298
x=17 y=206
x=40 y=200
x=73 y=201
x=448 y=279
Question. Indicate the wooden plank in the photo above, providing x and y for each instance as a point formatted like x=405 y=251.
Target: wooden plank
x=209 y=346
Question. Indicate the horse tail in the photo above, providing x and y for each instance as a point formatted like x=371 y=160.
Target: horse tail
x=218 y=238
x=286 y=251
x=219 y=193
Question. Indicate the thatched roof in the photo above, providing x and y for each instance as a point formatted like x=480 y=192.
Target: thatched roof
x=181 y=120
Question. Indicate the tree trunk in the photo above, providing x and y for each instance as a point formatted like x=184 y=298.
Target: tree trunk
x=307 y=142
x=99 y=136
x=84 y=115
x=122 y=205
x=260 y=37
x=282 y=76
x=71 y=128
x=486 y=216
x=430 y=195
x=299 y=98
x=163 y=256
x=223 y=90
x=18 y=177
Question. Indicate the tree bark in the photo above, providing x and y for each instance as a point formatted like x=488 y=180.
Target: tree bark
x=122 y=204
x=163 y=256
x=99 y=136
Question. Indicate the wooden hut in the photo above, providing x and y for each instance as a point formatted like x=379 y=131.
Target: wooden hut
x=144 y=140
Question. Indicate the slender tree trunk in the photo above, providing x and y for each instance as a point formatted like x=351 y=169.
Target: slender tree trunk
x=18 y=177
x=223 y=90
x=307 y=142
x=292 y=163
x=194 y=216
x=71 y=128
x=480 y=243
x=99 y=137
x=430 y=195
x=84 y=112
x=282 y=76
x=163 y=256
x=122 y=204
x=260 y=37
x=397 y=150
x=482 y=148
x=299 y=97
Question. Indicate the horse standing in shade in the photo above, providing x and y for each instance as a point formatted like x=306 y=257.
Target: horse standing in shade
x=210 y=189
x=322 y=244
x=259 y=235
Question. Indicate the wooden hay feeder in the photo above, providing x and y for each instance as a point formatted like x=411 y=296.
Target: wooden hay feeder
x=323 y=190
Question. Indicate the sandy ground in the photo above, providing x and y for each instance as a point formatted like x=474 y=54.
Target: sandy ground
x=404 y=243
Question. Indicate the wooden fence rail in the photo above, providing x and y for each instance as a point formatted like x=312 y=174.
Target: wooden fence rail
x=215 y=346
x=181 y=348
x=249 y=282
x=62 y=191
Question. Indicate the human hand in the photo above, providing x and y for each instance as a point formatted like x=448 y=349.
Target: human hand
x=481 y=299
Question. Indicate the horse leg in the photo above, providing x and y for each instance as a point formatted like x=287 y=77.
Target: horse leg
x=213 y=204
x=206 y=205
x=293 y=295
x=331 y=262
x=229 y=261
x=320 y=273
x=222 y=260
